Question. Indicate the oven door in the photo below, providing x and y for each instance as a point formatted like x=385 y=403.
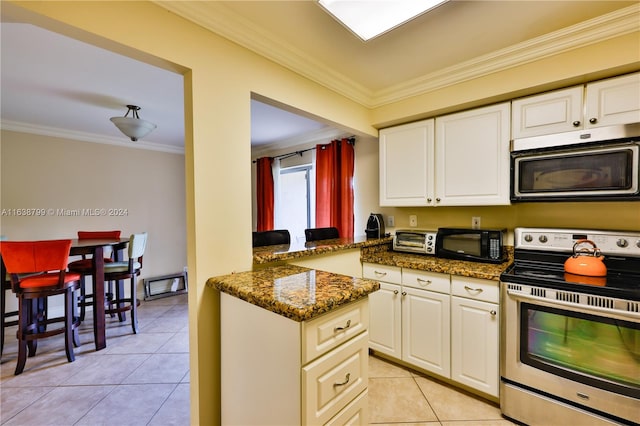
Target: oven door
x=576 y=173
x=584 y=356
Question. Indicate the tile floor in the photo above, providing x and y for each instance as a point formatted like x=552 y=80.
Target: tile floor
x=143 y=379
x=138 y=379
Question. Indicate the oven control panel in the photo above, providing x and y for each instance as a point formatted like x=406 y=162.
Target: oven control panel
x=621 y=243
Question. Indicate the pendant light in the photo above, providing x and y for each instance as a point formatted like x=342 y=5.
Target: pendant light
x=134 y=127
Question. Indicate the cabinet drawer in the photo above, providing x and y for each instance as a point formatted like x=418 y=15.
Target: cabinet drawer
x=474 y=288
x=356 y=413
x=424 y=280
x=324 y=333
x=335 y=379
x=390 y=274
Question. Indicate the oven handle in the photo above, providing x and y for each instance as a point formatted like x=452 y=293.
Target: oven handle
x=596 y=309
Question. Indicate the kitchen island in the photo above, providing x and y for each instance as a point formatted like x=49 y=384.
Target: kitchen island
x=294 y=346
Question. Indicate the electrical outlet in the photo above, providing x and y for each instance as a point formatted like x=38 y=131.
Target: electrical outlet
x=391 y=221
x=475 y=222
x=413 y=220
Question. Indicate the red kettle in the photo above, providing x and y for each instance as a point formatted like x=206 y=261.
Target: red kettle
x=586 y=261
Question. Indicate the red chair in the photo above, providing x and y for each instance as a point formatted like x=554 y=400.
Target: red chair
x=46 y=262
x=84 y=266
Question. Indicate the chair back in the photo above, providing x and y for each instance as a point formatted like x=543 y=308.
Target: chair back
x=23 y=257
x=137 y=245
x=102 y=235
x=269 y=238
x=315 y=234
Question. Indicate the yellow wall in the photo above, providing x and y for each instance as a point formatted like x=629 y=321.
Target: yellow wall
x=219 y=80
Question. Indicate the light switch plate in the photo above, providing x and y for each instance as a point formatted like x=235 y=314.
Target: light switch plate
x=391 y=221
x=413 y=220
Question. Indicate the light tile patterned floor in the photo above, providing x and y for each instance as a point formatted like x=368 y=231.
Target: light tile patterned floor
x=143 y=379
x=138 y=379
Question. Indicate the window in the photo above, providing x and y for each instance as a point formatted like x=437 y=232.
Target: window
x=295 y=200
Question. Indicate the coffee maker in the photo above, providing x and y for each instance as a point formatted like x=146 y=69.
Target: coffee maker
x=375 y=226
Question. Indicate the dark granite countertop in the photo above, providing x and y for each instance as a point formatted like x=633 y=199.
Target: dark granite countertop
x=385 y=256
x=294 y=292
x=296 y=250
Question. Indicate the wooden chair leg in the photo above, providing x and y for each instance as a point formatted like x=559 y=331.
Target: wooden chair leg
x=23 y=324
x=3 y=305
x=82 y=298
x=68 y=324
x=134 y=306
x=122 y=316
x=35 y=316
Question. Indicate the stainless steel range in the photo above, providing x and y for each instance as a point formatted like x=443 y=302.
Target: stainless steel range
x=570 y=350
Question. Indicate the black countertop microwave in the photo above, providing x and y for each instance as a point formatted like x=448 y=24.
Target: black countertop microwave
x=476 y=245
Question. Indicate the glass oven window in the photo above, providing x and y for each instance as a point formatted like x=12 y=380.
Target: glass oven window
x=587 y=171
x=594 y=350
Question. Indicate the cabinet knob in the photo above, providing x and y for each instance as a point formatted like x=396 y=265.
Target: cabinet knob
x=437 y=199
x=576 y=123
x=395 y=291
x=493 y=313
x=593 y=120
x=428 y=200
x=404 y=293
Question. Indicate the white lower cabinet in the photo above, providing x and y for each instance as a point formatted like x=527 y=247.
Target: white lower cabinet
x=276 y=371
x=474 y=344
x=451 y=329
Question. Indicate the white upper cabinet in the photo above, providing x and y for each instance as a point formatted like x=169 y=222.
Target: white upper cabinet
x=605 y=103
x=553 y=112
x=613 y=101
x=406 y=164
x=472 y=157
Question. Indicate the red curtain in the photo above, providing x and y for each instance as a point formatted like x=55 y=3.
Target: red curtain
x=334 y=186
x=264 y=190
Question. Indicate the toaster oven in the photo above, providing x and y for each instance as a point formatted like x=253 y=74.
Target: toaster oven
x=419 y=241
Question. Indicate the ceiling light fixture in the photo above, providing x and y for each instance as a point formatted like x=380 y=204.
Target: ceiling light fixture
x=371 y=18
x=134 y=127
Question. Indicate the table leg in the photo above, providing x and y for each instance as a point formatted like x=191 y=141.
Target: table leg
x=98 y=299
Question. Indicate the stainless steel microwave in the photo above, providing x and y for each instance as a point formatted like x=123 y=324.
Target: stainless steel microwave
x=595 y=164
x=476 y=245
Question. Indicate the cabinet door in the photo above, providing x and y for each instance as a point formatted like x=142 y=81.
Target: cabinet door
x=553 y=112
x=472 y=157
x=406 y=164
x=385 y=320
x=475 y=344
x=613 y=101
x=425 y=330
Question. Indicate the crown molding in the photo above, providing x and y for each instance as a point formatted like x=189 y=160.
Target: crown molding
x=217 y=18
x=615 y=24
x=55 y=132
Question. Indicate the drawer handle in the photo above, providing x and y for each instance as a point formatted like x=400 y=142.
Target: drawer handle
x=423 y=282
x=346 y=380
x=477 y=290
x=380 y=274
x=337 y=329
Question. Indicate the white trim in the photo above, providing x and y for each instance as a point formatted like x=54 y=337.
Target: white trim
x=215 y=17
x=55 y=132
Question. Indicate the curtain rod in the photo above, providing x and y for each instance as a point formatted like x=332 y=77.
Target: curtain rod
x=350 y=139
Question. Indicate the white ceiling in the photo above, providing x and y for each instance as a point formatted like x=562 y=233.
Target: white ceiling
x=51 y=84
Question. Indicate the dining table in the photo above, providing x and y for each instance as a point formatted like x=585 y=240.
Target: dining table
x=95 y=247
